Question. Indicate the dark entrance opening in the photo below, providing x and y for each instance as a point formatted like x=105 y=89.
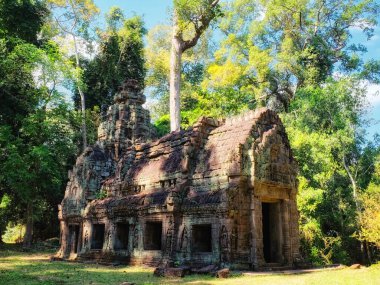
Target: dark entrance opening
x=74 y=238
x=271 y=232
x=122 y=236
x=152 y=237
x=97 y=236
x=202 y=238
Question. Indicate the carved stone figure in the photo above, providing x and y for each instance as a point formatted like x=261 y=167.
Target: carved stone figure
x=184 y=240
x=86 y=239
x=136 y=238
x=224 y=244
x=169 y=237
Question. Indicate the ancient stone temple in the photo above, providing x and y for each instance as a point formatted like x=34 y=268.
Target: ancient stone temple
x=222 y=192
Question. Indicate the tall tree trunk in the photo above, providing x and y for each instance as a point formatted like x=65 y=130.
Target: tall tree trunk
x=82 y=98
x=357 y=206
x=27 y=242
x=175 y=80
x=179 y=46
x=1 y=235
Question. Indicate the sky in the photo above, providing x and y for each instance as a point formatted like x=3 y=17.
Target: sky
x=373 y=90
x=156 y=12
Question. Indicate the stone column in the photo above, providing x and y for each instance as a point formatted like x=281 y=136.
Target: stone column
x=80 y=238
x=253 y=233
x=259 y=232
x=294 y=230
x=280 y=231
x=286 y=246
x=65 y=239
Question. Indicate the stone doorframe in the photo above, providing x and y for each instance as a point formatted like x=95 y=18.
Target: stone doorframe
x=270 y=195
x=74 y=239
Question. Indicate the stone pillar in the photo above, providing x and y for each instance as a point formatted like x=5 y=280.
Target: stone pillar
x=259 y=233
x=294 y=230
x=279 y=225
x=80 y=238
x=286 y=246
x=65 y=239
x=254 y=227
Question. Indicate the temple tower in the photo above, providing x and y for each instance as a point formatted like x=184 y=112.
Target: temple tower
x=126 y=122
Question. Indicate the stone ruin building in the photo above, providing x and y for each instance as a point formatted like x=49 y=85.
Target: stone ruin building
x=222 y=192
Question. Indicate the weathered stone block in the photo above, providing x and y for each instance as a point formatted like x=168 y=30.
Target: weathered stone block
x=223 y=273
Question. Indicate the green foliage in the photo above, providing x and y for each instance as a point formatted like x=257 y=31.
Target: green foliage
x=22 y=19
x=369 y=221
x=272 y=48
x=17 y=92
x=191 y=13
x=120 y=57
x=35 y=130
x=325 y=128
x=14 y=233
x=101 y=194
x=162 y=125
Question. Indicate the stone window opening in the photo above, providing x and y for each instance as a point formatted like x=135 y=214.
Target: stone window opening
x=152 y=236
x=122 y=236
x=97 y=236
x=202 y=238
x=172 y=182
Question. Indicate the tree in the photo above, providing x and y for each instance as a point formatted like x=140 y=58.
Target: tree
x=120 y=57
x=35 y=129
x=326 y=130
x=369 y=231
x=195 y=15
x=74 y=22
x=20 y=23
x=21 y=20
x=194 y=61
x=34 y=165
x=273 y=48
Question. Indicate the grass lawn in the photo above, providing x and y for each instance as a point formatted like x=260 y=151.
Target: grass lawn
x=35 y=268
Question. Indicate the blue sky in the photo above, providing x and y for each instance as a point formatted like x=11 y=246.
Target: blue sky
x=153 y=11
x=157 y=12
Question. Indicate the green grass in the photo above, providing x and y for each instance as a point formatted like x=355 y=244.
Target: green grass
x=33 y=267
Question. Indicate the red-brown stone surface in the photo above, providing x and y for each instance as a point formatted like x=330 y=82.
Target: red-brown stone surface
x=222 y=192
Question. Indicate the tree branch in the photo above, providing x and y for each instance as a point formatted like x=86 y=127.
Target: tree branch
x=199 y=29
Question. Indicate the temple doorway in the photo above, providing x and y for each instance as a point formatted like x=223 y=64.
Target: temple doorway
x=74 y=238
x=272 y=233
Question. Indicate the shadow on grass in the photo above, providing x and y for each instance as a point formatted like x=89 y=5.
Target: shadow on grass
x=33 y=267
x=18 y=271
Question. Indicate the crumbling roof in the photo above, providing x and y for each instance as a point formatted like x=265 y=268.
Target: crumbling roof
x=210 y=148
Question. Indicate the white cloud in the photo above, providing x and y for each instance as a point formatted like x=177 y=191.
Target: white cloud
x=373 y=94
x=375 y=38
x=86 y=49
